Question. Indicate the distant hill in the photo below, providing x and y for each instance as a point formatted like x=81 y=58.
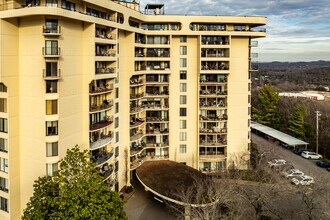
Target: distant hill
x=293 y=76
x=294 y=65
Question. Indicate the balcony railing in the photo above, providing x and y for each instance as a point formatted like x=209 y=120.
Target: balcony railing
x=51 y=51
x=100 y=159
x=212 y=105
x=209 y=92
x=138 y=161
x=101 y=89
x=215 y=66
x=110 y=70
x=107 y=104
x=107 y=53
x=157 y=131
x=212 y=143
x=51 y=31
x=157 y=119
x=215 y=130
x=222 y=117
x=136 y=136
x=157 y=93
x=108 y=36
x=136 y=122
x=137 y=96
x=53 y=75
x=102 y=124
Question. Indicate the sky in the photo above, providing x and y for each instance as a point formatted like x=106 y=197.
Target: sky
x=297 y=30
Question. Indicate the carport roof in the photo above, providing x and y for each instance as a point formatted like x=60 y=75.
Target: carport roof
x=285 y=138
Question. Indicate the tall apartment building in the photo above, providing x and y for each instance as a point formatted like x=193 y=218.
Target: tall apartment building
x=125 y=85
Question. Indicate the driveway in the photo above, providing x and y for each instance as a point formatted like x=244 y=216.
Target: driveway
x=142 y=206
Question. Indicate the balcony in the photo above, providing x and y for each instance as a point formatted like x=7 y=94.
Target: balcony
x=212 y=154
x=137 y=96
x=157 y=79
x=215 y=40
x=212 y=104
x=100 y=90
x=215 y=53
x=157 y=119
x=106 y=53
x=102 y=124
x=102 y=158
x=51 y=52
x=213 y=143
x=109 y=70
x=106 y=105
x=106 y=170
x=222 y=117
x=209 y=65
x=136 y=136
x=51 y=75
x=207 y=27
x=153 y=131
x=214 y=130
x=135 y=122
x=136 y=82
x=156 y=93
x=253 y=43
x=207 y=79
x=51 y=31
x=137 y=109
x=212 y=93
x=105 y=34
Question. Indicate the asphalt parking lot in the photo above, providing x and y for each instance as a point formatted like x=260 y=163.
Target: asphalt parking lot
x=307 y=166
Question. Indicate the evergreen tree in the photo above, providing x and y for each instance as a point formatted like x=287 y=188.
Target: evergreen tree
x=267 y=112
x=297 y=123
x=76 y=191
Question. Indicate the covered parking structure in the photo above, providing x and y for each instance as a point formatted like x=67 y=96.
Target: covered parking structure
x=273 y=134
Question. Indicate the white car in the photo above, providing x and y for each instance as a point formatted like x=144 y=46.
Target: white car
x=303 y=180
x=276 y=162
x=293 y=173
x=311 y=155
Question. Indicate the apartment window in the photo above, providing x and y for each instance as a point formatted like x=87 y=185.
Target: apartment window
x=183 y=148
x=3 y=184
x=183 y=62
x=183 y=38
x=51 y=107
x=51 y=86
x=116 y=107
x=51 y=3
x=3 y=125
x=51 y=26
x=183 y=124
x=3 y=204
x=51 y=69
x=3 y=105
x=117 y=137
x=183 y=50
x=183 y=112
x=4 y=165
x=51 y=128
x=183 y=74
x=183 y=136
x=68 y=5
x=3 y=145
x=249 y=99
x=116 y=151
x=51 y=47
x=183 y=87
x=116 y=93
x=116 y=122
x=3 y=88
x=51 y=168
x=183 y=99
x=52 y=149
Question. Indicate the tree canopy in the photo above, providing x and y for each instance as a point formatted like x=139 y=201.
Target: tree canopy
x=297 y=123
x=76 y=191
x=267 y=112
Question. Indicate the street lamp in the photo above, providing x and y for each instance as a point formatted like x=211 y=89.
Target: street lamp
x=318 y=114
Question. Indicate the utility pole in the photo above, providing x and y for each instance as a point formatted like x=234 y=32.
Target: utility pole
x=318 y=114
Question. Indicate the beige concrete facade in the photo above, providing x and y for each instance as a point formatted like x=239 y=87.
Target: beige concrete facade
x=127 y=86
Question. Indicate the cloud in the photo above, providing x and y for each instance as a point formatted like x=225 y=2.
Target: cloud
x=290 y=23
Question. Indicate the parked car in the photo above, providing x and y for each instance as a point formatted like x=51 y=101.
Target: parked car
x=311 y=155
x=302 y=180
x=323 y=164
x=276 y=162
x=298 y=151
x=328 y=169
x=293 y=173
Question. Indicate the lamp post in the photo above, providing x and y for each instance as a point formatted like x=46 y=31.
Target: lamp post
x=318 y=114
